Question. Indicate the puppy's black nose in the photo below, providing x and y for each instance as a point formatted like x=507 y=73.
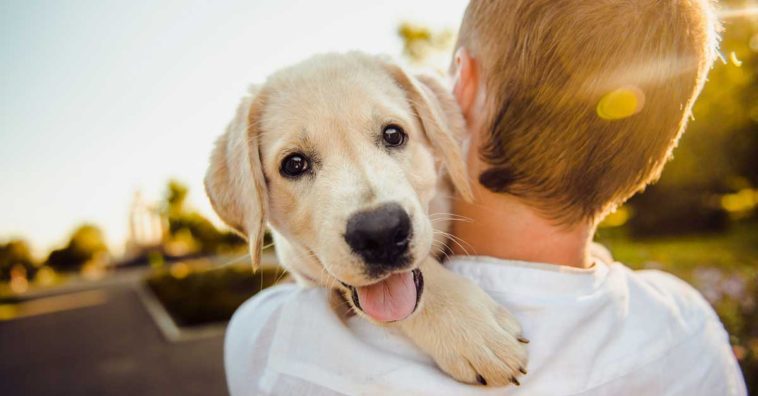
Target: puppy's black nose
x=380 y=236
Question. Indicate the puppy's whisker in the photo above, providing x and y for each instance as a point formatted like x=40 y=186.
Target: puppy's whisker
x=458 y=241
x=446 y=216
x=446 y=255
x=433 y=221
x=280 y=276
x=434 y=217
x=441 y=248
x=465 y=251
x=456 y=238
x=232 y=261
x=449 y=214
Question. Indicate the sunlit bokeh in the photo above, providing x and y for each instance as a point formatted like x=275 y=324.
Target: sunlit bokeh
x=621 y=103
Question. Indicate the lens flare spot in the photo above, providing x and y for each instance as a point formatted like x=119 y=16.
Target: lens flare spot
x=621 y=103
x=734 y=59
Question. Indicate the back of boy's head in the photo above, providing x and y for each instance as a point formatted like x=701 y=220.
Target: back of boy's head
x=585 y=99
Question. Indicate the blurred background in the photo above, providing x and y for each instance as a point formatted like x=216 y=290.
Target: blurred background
x=115 y=275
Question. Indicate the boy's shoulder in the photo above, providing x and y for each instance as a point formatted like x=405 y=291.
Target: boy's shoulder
x=669 y=293
x=686 y=329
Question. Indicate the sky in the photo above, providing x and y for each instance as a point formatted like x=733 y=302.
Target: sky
x=99 y=99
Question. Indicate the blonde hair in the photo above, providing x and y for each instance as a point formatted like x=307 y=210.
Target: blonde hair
x=585 y=98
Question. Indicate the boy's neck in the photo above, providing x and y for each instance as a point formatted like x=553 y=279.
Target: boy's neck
x=502 y=226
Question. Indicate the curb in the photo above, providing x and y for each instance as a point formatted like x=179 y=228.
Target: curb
x=166 y=324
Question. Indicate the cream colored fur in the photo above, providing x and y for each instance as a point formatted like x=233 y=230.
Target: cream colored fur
x=334 y=107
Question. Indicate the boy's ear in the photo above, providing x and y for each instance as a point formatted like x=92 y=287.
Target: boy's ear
x=465 y=82
x=441 y=120
x=234 y=181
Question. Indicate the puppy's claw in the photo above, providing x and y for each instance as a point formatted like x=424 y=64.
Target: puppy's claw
x=522 y=340
x=515 y=381
x=522 y=370
x=481 y=380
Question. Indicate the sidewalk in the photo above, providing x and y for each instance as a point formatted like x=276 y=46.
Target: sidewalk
x=101 y=341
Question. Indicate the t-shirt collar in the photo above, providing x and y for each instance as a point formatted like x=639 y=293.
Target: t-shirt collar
x=529 y=278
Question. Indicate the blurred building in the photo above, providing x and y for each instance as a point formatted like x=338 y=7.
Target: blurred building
x=147 y=227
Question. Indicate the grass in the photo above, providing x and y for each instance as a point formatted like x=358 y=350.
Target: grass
x=733 y=251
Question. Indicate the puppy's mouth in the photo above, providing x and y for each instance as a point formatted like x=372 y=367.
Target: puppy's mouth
x=391 y=299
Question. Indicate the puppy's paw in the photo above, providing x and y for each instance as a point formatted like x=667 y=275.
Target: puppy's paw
x=487 y=348
x=468 y=334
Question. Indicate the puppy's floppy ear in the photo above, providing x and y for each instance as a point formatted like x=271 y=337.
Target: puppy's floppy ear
x=442 y=121
x=234 y=181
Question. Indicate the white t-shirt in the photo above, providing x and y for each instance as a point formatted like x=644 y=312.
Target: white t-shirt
x=601 y=331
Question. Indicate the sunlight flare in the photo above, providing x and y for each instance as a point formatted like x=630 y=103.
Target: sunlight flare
x=621 y=103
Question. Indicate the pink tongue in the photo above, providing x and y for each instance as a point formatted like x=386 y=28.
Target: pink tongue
x=389 y=300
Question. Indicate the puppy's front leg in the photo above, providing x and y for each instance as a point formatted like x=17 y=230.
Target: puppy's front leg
x=465 y=331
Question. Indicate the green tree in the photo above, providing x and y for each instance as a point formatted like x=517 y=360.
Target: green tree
x=184 y=222
x=176 y=196
x=86 y=243
x=15 y=253
x=423 y=46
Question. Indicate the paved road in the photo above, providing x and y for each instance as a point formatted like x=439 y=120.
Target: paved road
x=110 y=348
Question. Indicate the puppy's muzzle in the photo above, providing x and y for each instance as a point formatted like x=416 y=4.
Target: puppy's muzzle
x=381 y=237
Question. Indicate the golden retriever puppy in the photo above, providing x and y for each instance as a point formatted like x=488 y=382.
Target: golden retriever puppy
x=348 y=158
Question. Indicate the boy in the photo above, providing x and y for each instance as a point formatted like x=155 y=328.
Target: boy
x=572 y=107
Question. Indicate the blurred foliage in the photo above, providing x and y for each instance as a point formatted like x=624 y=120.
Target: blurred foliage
x=176 y=197
x=661 y=211
x=199 y=296
x=15 y=255
x=190 y=229
x=87 y=245
x=716 y=156
x=423 y=46
x=718 y=150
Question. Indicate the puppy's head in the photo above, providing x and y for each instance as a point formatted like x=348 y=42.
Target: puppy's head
x=341 y=154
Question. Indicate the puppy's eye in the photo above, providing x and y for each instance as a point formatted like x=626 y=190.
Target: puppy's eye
x=294 y=165
x=394 y=136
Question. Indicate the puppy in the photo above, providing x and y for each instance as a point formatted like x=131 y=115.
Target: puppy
x=349 y=159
